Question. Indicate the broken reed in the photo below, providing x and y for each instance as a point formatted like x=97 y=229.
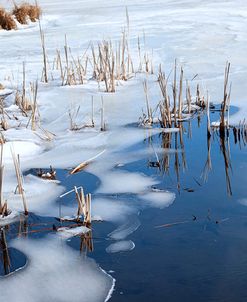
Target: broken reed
x=84 y=205
x=171 y=114
x=19 y=177
x=111 y=62
x=226 y=101
x=45 y=62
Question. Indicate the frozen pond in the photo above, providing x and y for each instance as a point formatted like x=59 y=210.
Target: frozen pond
x=126 y=92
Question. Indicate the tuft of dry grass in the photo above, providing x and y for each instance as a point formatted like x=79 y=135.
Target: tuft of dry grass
x=26 y=12
x=34 y=12
x=21 y=13
x=7 y=22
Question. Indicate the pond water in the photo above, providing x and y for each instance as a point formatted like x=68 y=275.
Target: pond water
x=195 y=249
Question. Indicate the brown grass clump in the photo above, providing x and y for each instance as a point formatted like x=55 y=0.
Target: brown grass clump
x=21 y=13
x=34 y=12
x=7 y=22
x=27 y=11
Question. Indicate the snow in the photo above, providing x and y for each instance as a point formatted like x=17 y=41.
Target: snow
x=56 y=271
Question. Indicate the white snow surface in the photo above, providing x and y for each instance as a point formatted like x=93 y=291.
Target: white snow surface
x=54 y=272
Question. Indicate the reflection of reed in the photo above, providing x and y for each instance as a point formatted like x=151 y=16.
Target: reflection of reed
x=23 y=227
x=5 y=252
x=181 y=133
x=86 y=244
x=166 y=144
x=176 y=162
x=174 y=140
x=227 y=161
x=208 y=165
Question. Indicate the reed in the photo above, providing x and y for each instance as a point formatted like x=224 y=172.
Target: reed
x=165 y=109
x=45 y=62
x=19 y=177
x=149 y=110
x=226 y=100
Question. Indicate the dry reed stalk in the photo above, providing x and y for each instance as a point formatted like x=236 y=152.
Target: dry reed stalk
x=208 y=118
x=188 y=97
x=174 y=89
x=226 y=100
x=42 y=39
x=34 y=107
x=139 y=53
x=84 y=164
x=19 y=177
x=7 y=22
x=149 y=110
x=3 y=123
x=165 y=110
x=180 y=96
x=80 y=204
x=2 y=138
x=87 y=217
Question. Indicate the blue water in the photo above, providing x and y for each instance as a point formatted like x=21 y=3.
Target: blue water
x=200 y=252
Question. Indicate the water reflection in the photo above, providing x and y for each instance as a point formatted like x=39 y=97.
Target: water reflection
x=173 y=161
x=4 y=251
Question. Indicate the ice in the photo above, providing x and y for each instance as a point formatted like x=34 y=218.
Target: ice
x=125 y=229
x=159 y=199
x=243 y=201
x=121 y=246
x=23 y=148
x=111 y=209
x=124 y=182
x=40 y=195
x=65 y=232
x=55 y=272
x=12 y=217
